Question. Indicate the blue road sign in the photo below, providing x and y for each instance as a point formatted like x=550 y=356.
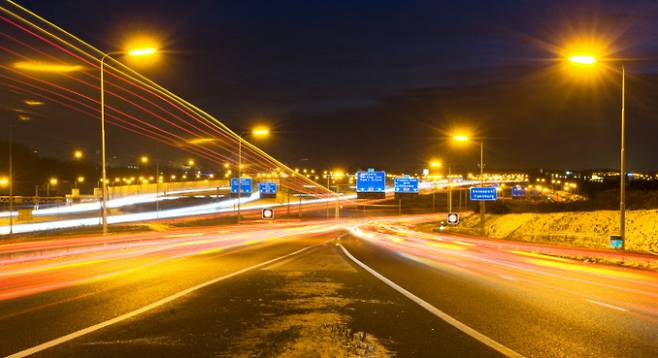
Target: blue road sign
x=518 y=191
x=267 y=187
x=406 y=185
x=483 y=193
x=245 y=185
x=371 y=182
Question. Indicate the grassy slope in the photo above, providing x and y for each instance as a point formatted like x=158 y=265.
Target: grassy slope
x=585 y=229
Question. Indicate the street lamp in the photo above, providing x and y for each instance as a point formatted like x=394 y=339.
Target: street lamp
x=440 y=164
x=335 y=174
x=78 y=154
x=52 y=182
x=462 y=138
x=104 y=182
x=589 y=60
x=256 y=132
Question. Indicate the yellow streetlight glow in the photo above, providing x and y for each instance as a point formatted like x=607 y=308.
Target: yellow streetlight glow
x=583 y=59
x=142 y=51
x=190 y=162
x=461 y=138
x=77 y=154
x=144 y=159
x=436 y=164
x=81 y=179
x=4 y=182
x=53 y=181
x=260 y=132
x=32 y=102
x=46 y=67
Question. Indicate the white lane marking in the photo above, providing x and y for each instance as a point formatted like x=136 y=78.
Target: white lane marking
x=125 y=316
x=607 y=305
x=437 y=312
x=186 y=235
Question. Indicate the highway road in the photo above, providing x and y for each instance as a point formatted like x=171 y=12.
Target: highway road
x=361 y=287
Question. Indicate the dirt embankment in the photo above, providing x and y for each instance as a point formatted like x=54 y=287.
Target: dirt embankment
x=584 y=229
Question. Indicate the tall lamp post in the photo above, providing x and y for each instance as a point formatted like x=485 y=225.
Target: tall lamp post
x=136 y=52
x=434 y=164
x=589 y=60
x=467 y=138
x=336 y=174
x=257 y=132
x=144 y=160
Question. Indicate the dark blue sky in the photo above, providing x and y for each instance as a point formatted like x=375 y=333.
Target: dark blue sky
x=367 y=83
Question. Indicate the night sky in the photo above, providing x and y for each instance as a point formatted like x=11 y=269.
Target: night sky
x=381 y=83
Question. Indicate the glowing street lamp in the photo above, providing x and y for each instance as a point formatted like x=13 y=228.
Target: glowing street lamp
x=591 y=60
x=260 y=132
x=436 y=164
x=142 y=51
x=257 y=132
x=582 y=59
x=134 y=53
x=78 y=154
x=464 y=138
x=144 y=159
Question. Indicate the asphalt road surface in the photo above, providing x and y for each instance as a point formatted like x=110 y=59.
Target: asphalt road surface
x=535 y=304
x=364 y=288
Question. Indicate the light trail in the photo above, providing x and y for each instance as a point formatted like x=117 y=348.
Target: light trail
x=226 y=206
x=532 y=266
x=150 y=110
x=59 y=265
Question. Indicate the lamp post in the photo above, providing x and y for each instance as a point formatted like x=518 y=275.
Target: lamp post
x=333 y=175
x=257 y=132
x=145 y=160
x=136 y=52
x=589 y=60
x=434 y=164
x=467 y=138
